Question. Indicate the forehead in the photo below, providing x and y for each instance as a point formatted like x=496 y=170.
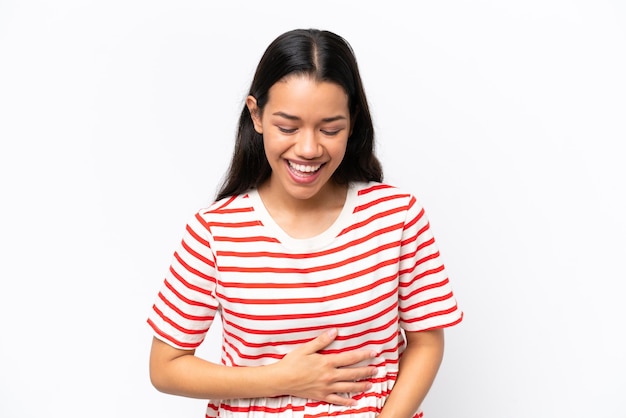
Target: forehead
x=302 y=94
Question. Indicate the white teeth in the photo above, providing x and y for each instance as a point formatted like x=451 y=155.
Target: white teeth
x=304 y=168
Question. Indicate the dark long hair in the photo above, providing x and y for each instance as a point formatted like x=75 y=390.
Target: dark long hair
x=327 y=57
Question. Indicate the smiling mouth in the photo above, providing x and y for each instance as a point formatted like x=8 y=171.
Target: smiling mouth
x=303 y=170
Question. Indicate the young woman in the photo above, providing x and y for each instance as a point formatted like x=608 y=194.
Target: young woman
x=328 y=282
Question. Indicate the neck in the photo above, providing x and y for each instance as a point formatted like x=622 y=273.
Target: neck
x=304 y=218
x=330 y=197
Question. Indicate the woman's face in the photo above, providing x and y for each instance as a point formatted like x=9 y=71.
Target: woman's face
x=305 y=126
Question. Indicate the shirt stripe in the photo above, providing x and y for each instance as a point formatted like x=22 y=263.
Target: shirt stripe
x=377 y=276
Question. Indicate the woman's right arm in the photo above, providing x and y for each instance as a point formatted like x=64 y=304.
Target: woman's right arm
x=303 y=372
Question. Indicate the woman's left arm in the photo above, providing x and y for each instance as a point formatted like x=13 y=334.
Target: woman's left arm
x=419 y=365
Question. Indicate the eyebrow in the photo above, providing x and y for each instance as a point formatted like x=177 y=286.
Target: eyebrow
x=292 y=117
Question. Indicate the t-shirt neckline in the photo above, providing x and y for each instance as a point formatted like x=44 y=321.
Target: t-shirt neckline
x=305 y=244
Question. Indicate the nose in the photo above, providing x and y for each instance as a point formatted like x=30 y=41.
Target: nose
x=307 y=145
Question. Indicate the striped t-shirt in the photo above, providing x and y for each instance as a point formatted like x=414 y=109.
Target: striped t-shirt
x=375 y=273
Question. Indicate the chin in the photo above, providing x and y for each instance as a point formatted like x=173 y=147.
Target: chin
x=304 y=196
x=303 y=193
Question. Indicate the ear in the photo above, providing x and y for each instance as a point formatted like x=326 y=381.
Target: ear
x=255 y=114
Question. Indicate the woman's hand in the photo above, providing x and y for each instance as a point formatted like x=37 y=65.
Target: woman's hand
x=306 y=373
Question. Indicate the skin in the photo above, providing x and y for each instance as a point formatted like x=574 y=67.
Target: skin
x=418 y=368
x=303 y=373
x=305 y=125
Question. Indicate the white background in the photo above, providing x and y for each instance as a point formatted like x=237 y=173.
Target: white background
x=506 y=118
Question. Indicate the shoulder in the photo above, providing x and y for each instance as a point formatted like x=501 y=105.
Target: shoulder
x=375 y=200
x=227 y=210
x=378 y=192
x=228 y=205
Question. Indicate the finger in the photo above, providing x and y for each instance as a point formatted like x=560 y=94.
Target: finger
x=352 y=357
x=336 y=399
x=321 y=341
x=352 y=374
x=351 y=387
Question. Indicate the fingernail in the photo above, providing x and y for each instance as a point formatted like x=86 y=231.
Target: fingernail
x=332 y=332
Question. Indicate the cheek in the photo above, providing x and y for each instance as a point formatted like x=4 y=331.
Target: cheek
x=340 y=149
x=273 y=147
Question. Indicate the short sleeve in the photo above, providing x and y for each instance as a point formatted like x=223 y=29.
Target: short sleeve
x=425 y=292
x=186 y=305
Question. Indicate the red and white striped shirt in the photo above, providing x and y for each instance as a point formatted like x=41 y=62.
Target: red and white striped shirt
x=374 y=272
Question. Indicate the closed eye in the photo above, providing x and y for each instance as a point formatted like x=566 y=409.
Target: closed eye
x=286 y=130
